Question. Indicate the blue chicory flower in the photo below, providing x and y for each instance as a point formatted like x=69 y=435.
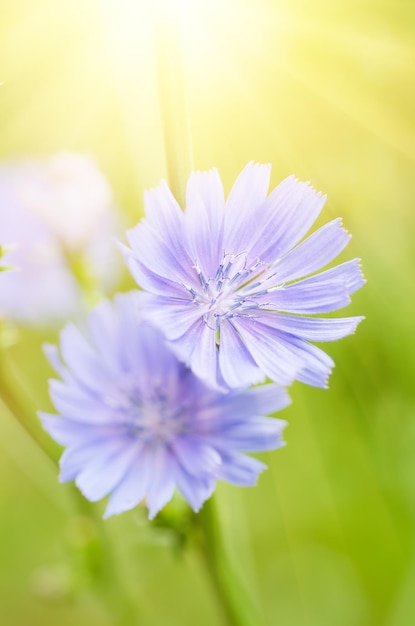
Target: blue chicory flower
x=136 y=422
x=232 y=287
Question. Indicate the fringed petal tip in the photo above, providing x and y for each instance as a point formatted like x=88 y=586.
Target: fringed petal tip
x=53 y=357
x=306 y=184
x=212 y=170
x=48 y=421
x=125 y=250
x=357 y=319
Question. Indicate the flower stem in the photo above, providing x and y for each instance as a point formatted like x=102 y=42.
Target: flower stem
x=14 y=405
x=236 y=604
x=103 y=575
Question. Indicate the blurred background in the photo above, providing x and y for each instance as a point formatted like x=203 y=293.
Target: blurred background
x=320 y=88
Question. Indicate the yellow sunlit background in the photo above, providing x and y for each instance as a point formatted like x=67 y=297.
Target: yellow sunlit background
x=323 y=89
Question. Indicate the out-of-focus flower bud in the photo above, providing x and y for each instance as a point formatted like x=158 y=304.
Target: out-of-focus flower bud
x=59 y=215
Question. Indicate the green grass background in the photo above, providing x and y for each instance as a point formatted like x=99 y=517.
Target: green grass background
x=320 y=88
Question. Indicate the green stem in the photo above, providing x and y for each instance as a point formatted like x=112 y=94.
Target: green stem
x=236 y=607
x=103 y=572
x=235 y=602
x=19 y=412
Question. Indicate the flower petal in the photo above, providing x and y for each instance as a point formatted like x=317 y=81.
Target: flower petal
x=103 y=330
x=278 y=362
x=195 y=457
x=204 y=357
x=52 y=354
x=240 y=469
x=78 y=457
x=158 y=256
x=104 y=471
x=269 y=398
x=308 y=257
x=236 y=364
x=133 y=487
x=163 y=212
x=288 y=214
x=312 y=328
x=237 y=405
x=167 y=221
x=323 y=293
x=317 y=365
x=76 y=403
x=195 y=490
x=149 y=280
x=70 y=432
x=204 y=217
x=309 y=298
x=174 y=318
x=81 y=359
x=254 y=435
x=184 y=346
x=161 y=485
x=241 y=211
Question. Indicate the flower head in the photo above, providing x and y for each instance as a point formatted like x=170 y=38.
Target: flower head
x=232 y=287
x=136 y=422
x=55 y=213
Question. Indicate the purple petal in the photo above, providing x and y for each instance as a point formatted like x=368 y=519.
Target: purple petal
x=204 y=357
x=133 y=487
x=312 y=328
x=195 y=490
x=153 y=372
x=204 y=216
x=314 y=365
x=167 y=221
x=79 y=456
x=322 y=293
x=184 y=346
x=291 y=209
x=241 y=211
x=81 y=359
x=269 y=398
x=174 y=318
x=156 y=254
x=52 y=354
x=278 y=362
x=254 y=435
x=164 y=213
x=70 y=432
x=237 y=405
x=308 y=298
x=317 y=364
x=308 y=257
x=161 y=484
x=317 y=373
x=349 y=273
x=103 y=330
x=196 y=458
x=105 y=470
x=240 y=469
x=237 y=366
x=151 y=281
x=75 y=403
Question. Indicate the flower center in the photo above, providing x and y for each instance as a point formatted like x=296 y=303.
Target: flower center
x=218 y=296
x=152 y=420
